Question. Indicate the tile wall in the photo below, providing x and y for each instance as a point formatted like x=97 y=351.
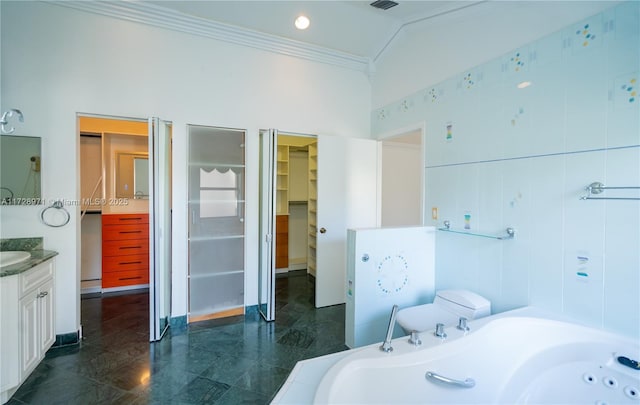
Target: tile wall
x=521 y=157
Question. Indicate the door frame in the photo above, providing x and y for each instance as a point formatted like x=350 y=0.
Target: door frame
x=266 y=231
x=78 y=115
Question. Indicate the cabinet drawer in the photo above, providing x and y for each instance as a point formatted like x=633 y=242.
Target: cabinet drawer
x=125 y=219
x=32 y=278
x=125 y=262
x=127 y=232
x=124 y=278
x=125 y=247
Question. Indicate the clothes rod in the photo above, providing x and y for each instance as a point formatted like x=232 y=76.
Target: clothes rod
x=596 y=188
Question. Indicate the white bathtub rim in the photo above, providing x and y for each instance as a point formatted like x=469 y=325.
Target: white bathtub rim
x=405 y=355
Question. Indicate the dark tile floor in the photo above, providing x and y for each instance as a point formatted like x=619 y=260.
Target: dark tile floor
x=239 y=360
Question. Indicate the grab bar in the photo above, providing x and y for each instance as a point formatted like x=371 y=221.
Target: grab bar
x=467 y=383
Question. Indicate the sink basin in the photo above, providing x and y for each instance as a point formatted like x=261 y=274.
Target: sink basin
x=12 y=257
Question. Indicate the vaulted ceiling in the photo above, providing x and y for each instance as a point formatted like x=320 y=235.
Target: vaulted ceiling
x=353 y=27
x=351 y=34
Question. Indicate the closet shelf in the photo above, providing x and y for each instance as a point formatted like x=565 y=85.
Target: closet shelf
x=213 y=275
x=510 y=232
x=206 y=165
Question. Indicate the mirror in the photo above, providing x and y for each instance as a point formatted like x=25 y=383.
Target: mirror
x=132 y=175
x=20 y=170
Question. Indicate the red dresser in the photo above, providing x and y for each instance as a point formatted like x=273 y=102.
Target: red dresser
x=125 y=250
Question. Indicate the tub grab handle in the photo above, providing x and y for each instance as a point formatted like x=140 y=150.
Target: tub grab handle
x=467 y=383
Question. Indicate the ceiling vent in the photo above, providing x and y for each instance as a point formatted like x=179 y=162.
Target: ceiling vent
x=384 y=4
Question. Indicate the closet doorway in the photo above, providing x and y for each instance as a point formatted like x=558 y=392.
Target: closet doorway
x=341 y=193
x=296 y=201
x=125 y=183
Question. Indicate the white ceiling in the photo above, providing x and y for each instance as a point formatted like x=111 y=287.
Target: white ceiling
x=351 y=33
x=353 y=27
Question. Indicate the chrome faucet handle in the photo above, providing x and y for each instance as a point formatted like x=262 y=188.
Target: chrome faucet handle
x=414 y=339
x=440 y=331
x=462 y=324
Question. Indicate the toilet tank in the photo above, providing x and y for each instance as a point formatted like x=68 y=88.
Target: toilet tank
x=463 y=303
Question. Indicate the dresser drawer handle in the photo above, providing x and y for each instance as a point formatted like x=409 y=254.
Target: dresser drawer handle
x=138 y=262
x=130 y=247
x=130 y=278
x=138 y=231
x=130 y=219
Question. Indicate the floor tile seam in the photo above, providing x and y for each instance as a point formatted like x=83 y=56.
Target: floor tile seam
x=256 y=393
x=239 y=380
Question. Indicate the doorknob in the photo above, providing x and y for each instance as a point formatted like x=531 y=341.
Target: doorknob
x=323 y=230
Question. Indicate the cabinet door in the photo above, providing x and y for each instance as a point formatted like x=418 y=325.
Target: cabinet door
x=216 y=226
x=46 y=315
x=30 y=347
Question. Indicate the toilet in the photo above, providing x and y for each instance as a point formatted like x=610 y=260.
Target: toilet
x=447 y=308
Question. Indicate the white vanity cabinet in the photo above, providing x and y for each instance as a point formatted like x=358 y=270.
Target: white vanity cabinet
x=27 y=324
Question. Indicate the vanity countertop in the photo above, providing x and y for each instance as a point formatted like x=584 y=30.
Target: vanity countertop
x=37 y=256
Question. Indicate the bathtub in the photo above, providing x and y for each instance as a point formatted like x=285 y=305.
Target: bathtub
x=509 y=360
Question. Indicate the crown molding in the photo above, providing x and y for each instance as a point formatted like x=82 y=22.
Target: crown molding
x=157 y=16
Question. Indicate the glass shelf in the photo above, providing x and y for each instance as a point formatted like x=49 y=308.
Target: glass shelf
x=510 y=233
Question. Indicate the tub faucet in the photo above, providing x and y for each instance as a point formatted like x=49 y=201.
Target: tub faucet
x=386 y=345
x=462 y=324
x=415 y=338
x=440 y=331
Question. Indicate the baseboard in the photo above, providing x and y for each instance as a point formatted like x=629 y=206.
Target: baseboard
x=178 y=322
x=298 y=266
x=125 y=288
x=91 y=290
x=67 y=339
x=251 y=310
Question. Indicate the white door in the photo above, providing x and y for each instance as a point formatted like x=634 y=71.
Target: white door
x=347 y=199
x=159 y=227
x=267 y=184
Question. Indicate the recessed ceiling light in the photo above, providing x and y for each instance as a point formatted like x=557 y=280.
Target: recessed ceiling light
x=302 y=22
x=524 y=85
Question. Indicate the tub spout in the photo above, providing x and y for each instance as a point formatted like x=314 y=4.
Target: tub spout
x=386 y=345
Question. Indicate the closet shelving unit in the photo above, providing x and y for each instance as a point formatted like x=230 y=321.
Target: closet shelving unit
x=216 y=222
x=282 y=207
x=282 y=181
x=312 y=207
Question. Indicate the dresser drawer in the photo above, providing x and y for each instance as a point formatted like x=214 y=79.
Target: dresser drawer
x=124 y=278
x=125 y=219
x=125 y=232
x=125 y=247
x=111 y=264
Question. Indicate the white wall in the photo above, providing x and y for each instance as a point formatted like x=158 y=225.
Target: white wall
x=429 y=52
x=57 y=62
x=522 y=158
x=401 y=184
